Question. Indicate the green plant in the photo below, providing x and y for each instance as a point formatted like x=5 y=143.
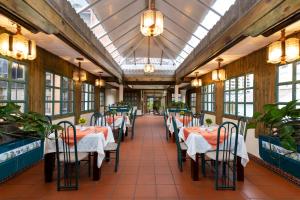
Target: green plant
x=30 y=124
x=208 y=121
x=276 y=122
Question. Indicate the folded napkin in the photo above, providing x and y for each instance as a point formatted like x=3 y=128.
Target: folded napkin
x=110 y=120
x=210 y=136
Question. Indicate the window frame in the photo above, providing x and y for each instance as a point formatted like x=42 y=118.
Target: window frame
x=294 y=83
x=213 y=99
x=61 y=101
x=236 y=91
x=9 y=80
x=90 y=93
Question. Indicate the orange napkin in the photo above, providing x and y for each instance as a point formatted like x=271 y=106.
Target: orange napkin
x=110 y=120
x=102 y=129
x=210 y=137
x=185 y=120
x=79 y=135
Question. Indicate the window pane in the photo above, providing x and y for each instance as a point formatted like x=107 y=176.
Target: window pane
x=226 y=108
x=285 y=73
x=249 y=95
x=65 y=82
x=49 y=79
x=65 y=95
x=241 y=110
x=285 y=93
x=48 y=109
x=57 y=81
x=241 y=96
x=3 y=68
x=232 y=84
x=232 y=109
x=18 y=71
x=249 y=110
x=64 y=108
x=249 y=80
x=298 y=71
x=17 y=91
x=3 y=90
x=298 y=92
x=226 y=96
x=49 y=94
x=57 y=94
x=232 y=96
x=241 y=81
x=70 y=107
x=227 y=85
x=56 y=108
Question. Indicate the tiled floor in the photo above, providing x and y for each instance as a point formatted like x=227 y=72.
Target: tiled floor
x=148 y=170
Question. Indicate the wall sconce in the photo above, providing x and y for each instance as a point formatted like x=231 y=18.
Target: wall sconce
x=99 y=82
x=284 y=50
x=219 y=74
x=79 y=75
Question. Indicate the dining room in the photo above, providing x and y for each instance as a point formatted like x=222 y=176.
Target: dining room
x=150 y=99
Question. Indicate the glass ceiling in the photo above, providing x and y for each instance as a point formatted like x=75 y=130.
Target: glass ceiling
x=215 y=12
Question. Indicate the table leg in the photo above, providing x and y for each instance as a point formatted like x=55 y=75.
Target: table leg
x=107 y=156
x=49 y=164
x=239 y=169
x=96 y=170
x=195 y=168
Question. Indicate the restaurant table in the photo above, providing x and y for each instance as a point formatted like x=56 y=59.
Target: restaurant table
x=178 y=120
x=118 y=124
x=93 y=142
x=198 y=145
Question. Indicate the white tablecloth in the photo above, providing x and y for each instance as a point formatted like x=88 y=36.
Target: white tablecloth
x=179 y=124
x=94 y=142
x=118 y=123
x=196 y=143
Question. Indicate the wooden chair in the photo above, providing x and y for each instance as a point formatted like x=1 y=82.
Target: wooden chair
x=115 y=147
x=242 y=127
x=67 y=161
x=132 y=124
x=181 y=146
x=97 y=119
x=224 y=157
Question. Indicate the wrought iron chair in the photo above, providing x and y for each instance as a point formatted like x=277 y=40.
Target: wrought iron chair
x=115 y=147
x=242 y=127
x=67 y=160
x=198 y=119
x=49 y=119
x=166 y=125
x=224 y=157
x=181 y=146
x=97 y=119
x=109 y=120
x=132 y=124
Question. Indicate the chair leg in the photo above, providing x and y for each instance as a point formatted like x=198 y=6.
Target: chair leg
x=183 y=153
x=132 y=133
x=117 y=161
x=203 y=164
x=89 y=164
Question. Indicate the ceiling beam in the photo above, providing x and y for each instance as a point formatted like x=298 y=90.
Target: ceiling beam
x=172 y=33
x=180 y=48
x=88 y=6
x=150 y=82
x=252 y=20
x=112 y=15
x=209 y=7
x=122 y=23
x=187 y=16
x=126 y=42
x=132 y=50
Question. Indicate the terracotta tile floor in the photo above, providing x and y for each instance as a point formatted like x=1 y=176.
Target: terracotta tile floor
x=148 y=170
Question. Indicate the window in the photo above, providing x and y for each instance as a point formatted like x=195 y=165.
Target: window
x=208 y=97
x=288 y=83
x=102 y=99
x=193 y=102
x=87 y=97
x=13 y=83
x=179 y=97
x=238 y=96
x=59 y=95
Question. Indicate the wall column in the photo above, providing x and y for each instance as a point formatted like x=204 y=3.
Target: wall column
x=198 y=100
x=176 y=93
x=121 y=93
x=183 y=95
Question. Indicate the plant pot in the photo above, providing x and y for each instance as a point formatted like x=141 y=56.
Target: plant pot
x=271 y=151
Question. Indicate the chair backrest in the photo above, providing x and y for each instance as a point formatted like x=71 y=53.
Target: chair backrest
x=109 y=119
x=198 y=119
x=66 y=157
x=121 y=132
x=242 y=127
x=176 y=133
x=49 y=119
x=226 y=152
x=97 y=119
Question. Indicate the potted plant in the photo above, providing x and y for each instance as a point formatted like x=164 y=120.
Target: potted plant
x=81 y=121
x=208 y=122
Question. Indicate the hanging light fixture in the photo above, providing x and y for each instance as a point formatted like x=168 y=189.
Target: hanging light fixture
x=17 y=46
x=79 y=75
x=99 y=82
x=219 y=74
x=148 y=68
x=152 y=21
x=197 y=82
x=284 y=50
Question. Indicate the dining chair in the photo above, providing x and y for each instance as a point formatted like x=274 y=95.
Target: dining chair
x=68 y=160
x=49 y=119
x=242 y=127
x=198 y=119
x=166 y=124
x=114 y=147
x=224 y=157
x=109 y=120
x=97 y=119
x=181 y=146
x=132 y=124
